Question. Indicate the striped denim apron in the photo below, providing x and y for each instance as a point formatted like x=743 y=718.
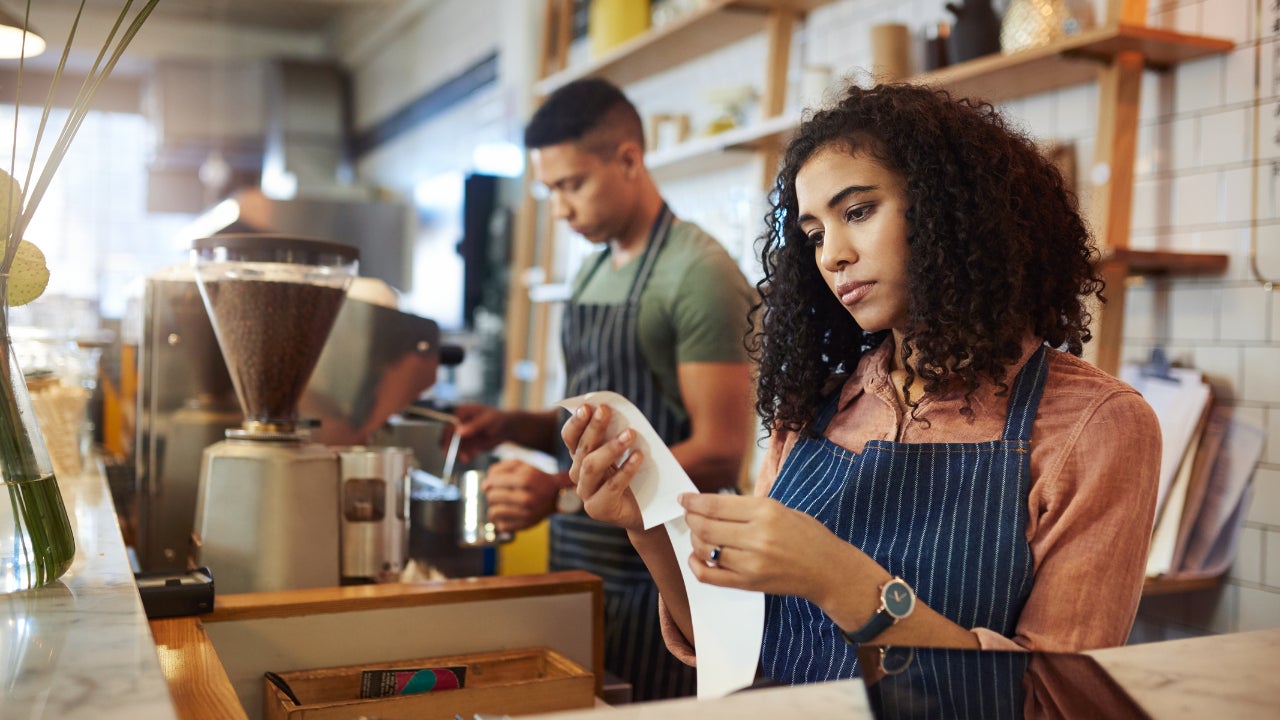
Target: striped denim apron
x=602 y=352
x=949 y=518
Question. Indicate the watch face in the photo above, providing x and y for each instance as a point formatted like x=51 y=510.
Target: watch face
x=894 y=660
x=898 y=598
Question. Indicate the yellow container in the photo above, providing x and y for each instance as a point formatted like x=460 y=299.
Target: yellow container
x=612 y=22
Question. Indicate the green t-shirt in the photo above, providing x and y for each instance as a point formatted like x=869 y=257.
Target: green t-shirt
x=693 y=309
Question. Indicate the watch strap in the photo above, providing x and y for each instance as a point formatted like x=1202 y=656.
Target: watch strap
x=884 y=618
x=878 y=623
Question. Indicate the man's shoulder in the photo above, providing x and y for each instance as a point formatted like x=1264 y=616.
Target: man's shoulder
x=689 y=247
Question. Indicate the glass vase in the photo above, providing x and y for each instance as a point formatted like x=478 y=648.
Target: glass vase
x=36 y=543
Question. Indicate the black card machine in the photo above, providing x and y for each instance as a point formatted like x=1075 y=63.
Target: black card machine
x=176 y=593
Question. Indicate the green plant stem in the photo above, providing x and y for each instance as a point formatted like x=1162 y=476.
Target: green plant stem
x=33 y=496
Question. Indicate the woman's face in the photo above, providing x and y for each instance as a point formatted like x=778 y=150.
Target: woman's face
x=853 y=210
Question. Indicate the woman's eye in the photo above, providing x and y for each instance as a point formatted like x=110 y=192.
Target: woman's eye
x=815 y=238
x=858 y=212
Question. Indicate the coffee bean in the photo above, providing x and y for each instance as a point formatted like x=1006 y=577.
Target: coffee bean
x=271 y=334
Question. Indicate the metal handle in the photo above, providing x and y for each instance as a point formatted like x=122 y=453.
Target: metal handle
x=446 y=473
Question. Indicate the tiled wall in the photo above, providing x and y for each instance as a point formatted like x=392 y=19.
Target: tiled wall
x=1199 y=170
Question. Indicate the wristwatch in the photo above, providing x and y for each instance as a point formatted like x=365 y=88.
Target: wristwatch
x=897 y=600
x=568 y=501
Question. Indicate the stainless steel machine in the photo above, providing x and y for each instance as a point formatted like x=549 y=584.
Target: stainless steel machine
x=267 y=514
x=377 y=360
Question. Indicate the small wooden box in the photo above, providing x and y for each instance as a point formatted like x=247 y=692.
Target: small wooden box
x=508 y=682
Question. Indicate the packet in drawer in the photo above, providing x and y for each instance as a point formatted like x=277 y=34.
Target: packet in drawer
x=407 y=681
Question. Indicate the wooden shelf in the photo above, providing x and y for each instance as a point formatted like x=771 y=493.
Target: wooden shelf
x=710 y=153
x=1072 y=61
x=1162 y=585
x=714 y=25
x=1166 y=262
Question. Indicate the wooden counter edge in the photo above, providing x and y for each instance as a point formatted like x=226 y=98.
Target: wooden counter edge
x=287 y=603
x=199 y=685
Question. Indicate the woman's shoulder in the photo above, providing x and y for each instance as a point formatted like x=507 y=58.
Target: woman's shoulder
x=1091 y=401
x=1075 y=376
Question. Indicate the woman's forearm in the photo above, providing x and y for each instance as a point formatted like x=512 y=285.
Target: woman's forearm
x=654 y=546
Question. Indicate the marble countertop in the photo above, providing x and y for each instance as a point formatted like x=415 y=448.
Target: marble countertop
x=81 y=647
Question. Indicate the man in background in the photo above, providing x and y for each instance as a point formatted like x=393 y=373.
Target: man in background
x=658 y=315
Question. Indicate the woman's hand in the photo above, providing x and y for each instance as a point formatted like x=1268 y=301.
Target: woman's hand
x=605 y=488
x=767 y=546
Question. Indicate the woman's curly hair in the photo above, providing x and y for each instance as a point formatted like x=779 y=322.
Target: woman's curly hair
x=997 y=250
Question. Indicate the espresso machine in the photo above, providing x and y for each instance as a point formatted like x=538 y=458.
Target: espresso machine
x=267 y=507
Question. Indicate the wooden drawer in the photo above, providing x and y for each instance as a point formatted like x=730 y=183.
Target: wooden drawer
x=507 y=682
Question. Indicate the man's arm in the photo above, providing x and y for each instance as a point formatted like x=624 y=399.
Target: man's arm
x=482 y=427
x=719 y=399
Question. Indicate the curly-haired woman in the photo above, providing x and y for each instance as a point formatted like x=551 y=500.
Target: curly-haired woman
x=943 y=468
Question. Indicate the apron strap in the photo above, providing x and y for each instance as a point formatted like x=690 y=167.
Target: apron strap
x=657 y=237
x=1024 y=400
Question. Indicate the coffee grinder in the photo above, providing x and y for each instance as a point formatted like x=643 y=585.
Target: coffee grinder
x=267 y=510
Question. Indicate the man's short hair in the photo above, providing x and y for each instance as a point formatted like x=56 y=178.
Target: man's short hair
x=593 y=112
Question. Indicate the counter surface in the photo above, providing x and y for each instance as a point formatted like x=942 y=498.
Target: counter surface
x=81 y=647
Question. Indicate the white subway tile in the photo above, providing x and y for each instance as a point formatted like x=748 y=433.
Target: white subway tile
x=1196 y=198
x=1156 y=98
x=1077 y=110
x=1259 y=610
x=1221 y=366
x=1261 y=381
x=1268 y=140
x=1224 y=137
x=1244 y=315
x=1188 y=18
x=1264 y=506
x=1229 y=19
x=1139 y=312
x=1152 y=204
x=1183 y=148
x=1237 y=195
x=1269 y=257
x=1040 y=113
x=1271 y=554
x=1180 y=355
x=1249 y=555
x=1237 y=75
x=1271 y=449
x=1198 y=84
x=1149 y=157
x=1275 y=313
x=1193 y=313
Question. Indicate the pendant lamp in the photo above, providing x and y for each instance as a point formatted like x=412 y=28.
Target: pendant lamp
x=11 y=43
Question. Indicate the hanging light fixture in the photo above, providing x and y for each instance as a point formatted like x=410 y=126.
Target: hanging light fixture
x=11 y=42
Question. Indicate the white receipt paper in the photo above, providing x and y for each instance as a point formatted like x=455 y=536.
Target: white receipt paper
x=728 y=623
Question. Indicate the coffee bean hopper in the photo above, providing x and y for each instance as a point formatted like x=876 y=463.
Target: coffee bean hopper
x=267 y=508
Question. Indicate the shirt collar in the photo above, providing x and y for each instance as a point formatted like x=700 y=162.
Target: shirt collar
x=872 y=376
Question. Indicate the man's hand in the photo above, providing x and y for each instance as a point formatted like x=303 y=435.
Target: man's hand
x=520 y=495
x=480 y=428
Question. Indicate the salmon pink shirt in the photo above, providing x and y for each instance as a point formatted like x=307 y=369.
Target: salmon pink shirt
x=1095 y=462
